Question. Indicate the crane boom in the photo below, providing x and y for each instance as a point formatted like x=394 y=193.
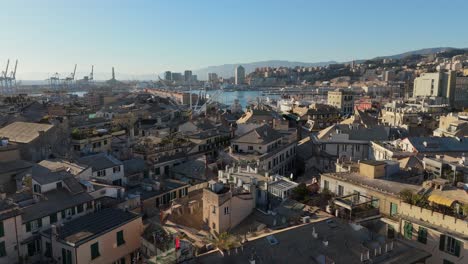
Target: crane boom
x=73 y=75
x=6 y=70
x=13 y=73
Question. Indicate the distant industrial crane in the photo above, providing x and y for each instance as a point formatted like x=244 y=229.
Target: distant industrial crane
x=8 y=81
x=68 y=81
x=54 y=81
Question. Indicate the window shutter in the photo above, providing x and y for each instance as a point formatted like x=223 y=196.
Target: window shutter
x=442 y=242
x=39 y=222
x=457 y=248
x=28 y=227
x=2 y=230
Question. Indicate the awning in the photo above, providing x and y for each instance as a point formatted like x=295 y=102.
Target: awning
x=434 y=198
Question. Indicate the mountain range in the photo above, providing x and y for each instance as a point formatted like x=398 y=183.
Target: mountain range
x=227 y=70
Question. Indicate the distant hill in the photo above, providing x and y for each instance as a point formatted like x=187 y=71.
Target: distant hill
x=420 y=52
x=227 y=70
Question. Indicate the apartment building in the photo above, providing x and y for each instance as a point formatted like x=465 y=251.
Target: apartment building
x=105 y=168
x=107 y=236
x=343 y=100
x=225 y=207
x=265 y=148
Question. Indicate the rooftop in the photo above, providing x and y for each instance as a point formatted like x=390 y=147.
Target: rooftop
x=346 y=243
x=54 y=202
x=260 y=135
x=23 y=132
x=100 y=161
x=93 y=225
x=388 y=186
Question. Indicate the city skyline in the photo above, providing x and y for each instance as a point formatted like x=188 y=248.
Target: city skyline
x=149 y=37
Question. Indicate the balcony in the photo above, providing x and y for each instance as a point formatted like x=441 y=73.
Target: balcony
x=357 y=207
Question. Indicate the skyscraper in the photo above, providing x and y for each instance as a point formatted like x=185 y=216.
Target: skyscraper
x=239 y=75
x=168 y=76
x=188 y=76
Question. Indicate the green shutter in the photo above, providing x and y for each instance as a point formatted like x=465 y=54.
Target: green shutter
x=95 y=250
x=120 y=238
x=422 y=235
x=442 y=242
x=457 y=248
x=28 y=227
x=2 y=230
x=2 y=249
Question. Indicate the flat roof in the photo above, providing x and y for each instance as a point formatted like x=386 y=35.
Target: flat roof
x=346 y=242
x=381 y=185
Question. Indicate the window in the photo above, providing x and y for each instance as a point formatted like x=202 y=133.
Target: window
x=116 y=169
x=214 y=210
x=340 y=190
x=120 y=238
x=326 y=185
x=76 y=147
x=37 y=188
x=2 y=249
x=422 y=235
x=34 y=248
x=450 y=245
x=157 y=171
x=66 y=256
x=408 y=230
x=105 y=142
x=101 y=173
x=250 y=147
x=33 y=225
x=95 y=250
x=226 y=210
x=213 y=225
x=447 y=262
x=48 y=250
x=80 y=208
x=358 y=147
x=374 y=202
x=393 y=209
x=59 y=185
x=53 y=218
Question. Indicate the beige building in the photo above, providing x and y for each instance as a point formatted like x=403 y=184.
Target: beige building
x=438 y=84
x=343 y=100
x=432 y=230
x=266 y=149
x=452 y=125
x=225 y=207
x=10 y=218
x=107 y=236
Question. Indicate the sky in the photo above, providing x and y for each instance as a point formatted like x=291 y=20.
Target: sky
x=151 y=36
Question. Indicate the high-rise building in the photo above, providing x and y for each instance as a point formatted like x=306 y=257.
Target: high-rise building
x=188 y=76
x=438 y=84
x=177 y=76
x=168 y=76
x=239 y=75
x=212 y=77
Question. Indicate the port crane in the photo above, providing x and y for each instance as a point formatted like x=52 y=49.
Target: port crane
x=68 y=81
x=8 y=80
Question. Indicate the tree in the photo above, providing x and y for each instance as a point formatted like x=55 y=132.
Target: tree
x=300 y=193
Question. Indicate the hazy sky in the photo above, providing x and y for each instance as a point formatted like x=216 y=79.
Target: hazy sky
x=151 y=36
